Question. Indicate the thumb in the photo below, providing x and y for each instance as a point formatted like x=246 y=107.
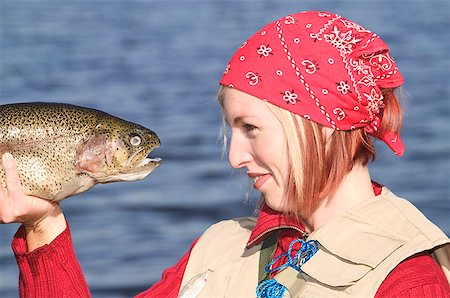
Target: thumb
x=12 y=179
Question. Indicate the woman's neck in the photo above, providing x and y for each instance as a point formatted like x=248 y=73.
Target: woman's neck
x=355 y=187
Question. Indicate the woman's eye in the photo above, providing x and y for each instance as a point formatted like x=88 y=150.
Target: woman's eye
x=135 y=141
x=249 y=127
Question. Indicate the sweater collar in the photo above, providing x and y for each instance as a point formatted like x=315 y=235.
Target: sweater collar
x=270 y=220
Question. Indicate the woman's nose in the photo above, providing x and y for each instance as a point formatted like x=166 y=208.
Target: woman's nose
x=239 y=153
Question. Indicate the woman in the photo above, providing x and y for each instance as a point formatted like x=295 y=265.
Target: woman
x=301 y=97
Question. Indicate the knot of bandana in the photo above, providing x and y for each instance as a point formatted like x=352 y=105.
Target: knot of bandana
x=320 y=66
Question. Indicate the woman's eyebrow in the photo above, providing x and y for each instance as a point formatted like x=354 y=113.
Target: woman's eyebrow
x=238 y=119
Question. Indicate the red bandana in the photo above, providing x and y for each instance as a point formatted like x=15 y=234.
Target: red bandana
x=321 y=66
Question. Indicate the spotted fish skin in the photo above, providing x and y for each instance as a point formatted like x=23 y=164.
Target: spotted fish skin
x=62 y=149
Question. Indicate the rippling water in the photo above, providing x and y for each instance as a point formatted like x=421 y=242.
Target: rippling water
x=158 y=63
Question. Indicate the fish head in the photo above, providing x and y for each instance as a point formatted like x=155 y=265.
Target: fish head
x=131 y=154
x=118 y=151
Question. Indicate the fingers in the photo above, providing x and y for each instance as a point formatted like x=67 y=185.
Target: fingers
x=5 y=215
x=13 y=184
x=11 y=197
x=15 y=206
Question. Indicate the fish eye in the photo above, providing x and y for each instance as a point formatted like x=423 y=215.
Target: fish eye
x=135 y=140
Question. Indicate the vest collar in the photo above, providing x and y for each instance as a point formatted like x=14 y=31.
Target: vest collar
x=368 y=234
x=270 y=220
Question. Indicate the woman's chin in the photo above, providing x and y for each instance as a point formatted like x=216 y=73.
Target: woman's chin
x=275 y=204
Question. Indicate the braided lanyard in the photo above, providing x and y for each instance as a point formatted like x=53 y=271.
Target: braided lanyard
x=271 y=288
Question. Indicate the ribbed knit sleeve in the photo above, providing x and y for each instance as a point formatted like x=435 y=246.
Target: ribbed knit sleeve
x=51 y=270
x=416 y=277
x=170 y=283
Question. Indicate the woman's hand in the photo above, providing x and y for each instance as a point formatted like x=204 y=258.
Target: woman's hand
x=43 y=220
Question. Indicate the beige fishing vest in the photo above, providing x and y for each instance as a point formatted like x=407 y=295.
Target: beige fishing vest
x=357 y=251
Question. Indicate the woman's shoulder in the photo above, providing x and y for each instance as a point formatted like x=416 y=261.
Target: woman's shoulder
x=417 y=276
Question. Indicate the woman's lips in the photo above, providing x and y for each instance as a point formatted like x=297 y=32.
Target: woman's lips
x=259 y=180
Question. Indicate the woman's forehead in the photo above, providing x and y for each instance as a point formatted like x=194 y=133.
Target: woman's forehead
x=241 y=107
x=241 y=103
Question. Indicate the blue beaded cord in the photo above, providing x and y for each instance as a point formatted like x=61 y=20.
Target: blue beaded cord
x=273 y=289
x=270 y=288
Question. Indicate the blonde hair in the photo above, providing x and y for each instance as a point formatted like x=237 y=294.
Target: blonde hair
x=317 y=166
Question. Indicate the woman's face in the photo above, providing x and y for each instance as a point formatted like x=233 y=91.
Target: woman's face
x=258 y=143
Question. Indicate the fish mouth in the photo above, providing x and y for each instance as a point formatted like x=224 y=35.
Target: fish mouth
x=151 y=160
x=142 y=159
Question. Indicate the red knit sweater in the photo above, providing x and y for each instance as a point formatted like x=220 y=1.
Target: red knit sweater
x=53 y=270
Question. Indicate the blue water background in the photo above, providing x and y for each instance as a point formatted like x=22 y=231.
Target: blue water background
x=158 y=63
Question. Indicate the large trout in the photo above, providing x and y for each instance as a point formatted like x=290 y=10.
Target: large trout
x=62 y=150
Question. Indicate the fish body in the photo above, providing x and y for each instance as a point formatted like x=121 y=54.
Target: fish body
x=62 y=149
